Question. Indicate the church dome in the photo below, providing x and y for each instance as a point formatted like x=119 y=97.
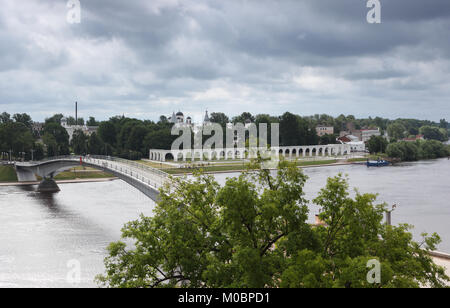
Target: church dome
x=179 y=114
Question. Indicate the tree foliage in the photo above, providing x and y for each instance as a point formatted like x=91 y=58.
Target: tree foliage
x=253 y=232
x=421 y=149
x=377 y=144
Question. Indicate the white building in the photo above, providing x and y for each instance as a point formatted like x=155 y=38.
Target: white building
x=367 y=133
x=357 y=146
x=87 y=130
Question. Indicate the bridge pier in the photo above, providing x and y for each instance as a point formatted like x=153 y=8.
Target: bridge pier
x=48 y=185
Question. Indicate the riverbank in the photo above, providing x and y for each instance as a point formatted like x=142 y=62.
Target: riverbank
x=442 y=259
x=7 y=174
x=242 y=167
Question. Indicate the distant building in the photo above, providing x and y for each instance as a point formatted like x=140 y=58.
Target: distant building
x=415 y=138
x=355 y=144
x=324 y=130
x=178 y=118
x=37 y=128
x=366 y=134
x=87 y=130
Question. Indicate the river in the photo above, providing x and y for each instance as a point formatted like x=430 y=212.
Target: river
x=41 y=235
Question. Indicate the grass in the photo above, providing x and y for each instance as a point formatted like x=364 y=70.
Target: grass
x=84 y=174
x=316 y=162
x=7 y=174
x=239 y=167
x=206 y=169
x=154 y=164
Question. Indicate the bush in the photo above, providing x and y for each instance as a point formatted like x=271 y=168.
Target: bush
x=412 y=151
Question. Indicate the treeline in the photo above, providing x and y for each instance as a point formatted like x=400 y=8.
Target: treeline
x=421 y=149
x=132 y=138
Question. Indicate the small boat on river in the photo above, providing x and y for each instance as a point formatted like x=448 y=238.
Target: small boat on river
x=378 y=163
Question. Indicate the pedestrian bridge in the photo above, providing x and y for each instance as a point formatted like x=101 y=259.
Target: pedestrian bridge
x=146 y=179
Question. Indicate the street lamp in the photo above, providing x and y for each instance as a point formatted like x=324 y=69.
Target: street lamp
x=389 y=216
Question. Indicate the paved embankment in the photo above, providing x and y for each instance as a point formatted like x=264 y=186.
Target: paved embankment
x=442 y=259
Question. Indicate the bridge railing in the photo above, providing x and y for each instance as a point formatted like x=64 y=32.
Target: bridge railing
x=87 y=158
x=130 y=163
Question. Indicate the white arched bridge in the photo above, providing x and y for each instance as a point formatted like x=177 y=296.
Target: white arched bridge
x=145 y=178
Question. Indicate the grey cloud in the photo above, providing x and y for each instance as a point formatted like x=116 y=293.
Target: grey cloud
x=145 y=58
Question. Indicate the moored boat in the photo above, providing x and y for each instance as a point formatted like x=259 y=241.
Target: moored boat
x=378 y=163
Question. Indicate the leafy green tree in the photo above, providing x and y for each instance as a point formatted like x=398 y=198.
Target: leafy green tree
x=56 y=139
x=5 y=118
x=220 y=118
x=15 y=136
x=95 y=145
x=396 y=131
x=92 y=122
x=245 y=116
x=79 y=142
x=23 y=118
x=328 y=139
x=55 y=118
x=107 y=132
x=434 y=133
x=377 y=144
x=253 y=232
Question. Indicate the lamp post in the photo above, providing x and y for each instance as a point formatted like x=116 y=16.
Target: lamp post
x=389 y=215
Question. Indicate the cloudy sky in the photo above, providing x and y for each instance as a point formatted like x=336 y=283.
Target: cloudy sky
x=152 y=57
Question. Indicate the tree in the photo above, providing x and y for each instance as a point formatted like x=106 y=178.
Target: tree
x=55 y=118
x=15 y=136
x=328 y=139
x=377 y=144
x=396 y=131
x=23 y=118
x=289 y=129
x=5 y=118
x=79 y=142
x=220 y=118
x=107 y=132
x=245 y=116
x=95 y=145
x=56 y=139
x=433 y=133
x=92 y=122
x=253 y=232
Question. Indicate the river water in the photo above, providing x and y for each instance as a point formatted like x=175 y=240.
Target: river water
x=41 y=236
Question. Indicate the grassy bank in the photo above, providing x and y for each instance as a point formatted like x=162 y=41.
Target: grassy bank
x=206 y=169
x=78 y=173
x=239 y=167
x=316 y=163
x=7 y=174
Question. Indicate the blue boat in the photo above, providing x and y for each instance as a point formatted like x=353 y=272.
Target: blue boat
x=378 y=163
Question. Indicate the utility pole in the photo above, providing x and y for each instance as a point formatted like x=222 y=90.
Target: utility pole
x=32 y=155
x=10 y=151
x=389 y=215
